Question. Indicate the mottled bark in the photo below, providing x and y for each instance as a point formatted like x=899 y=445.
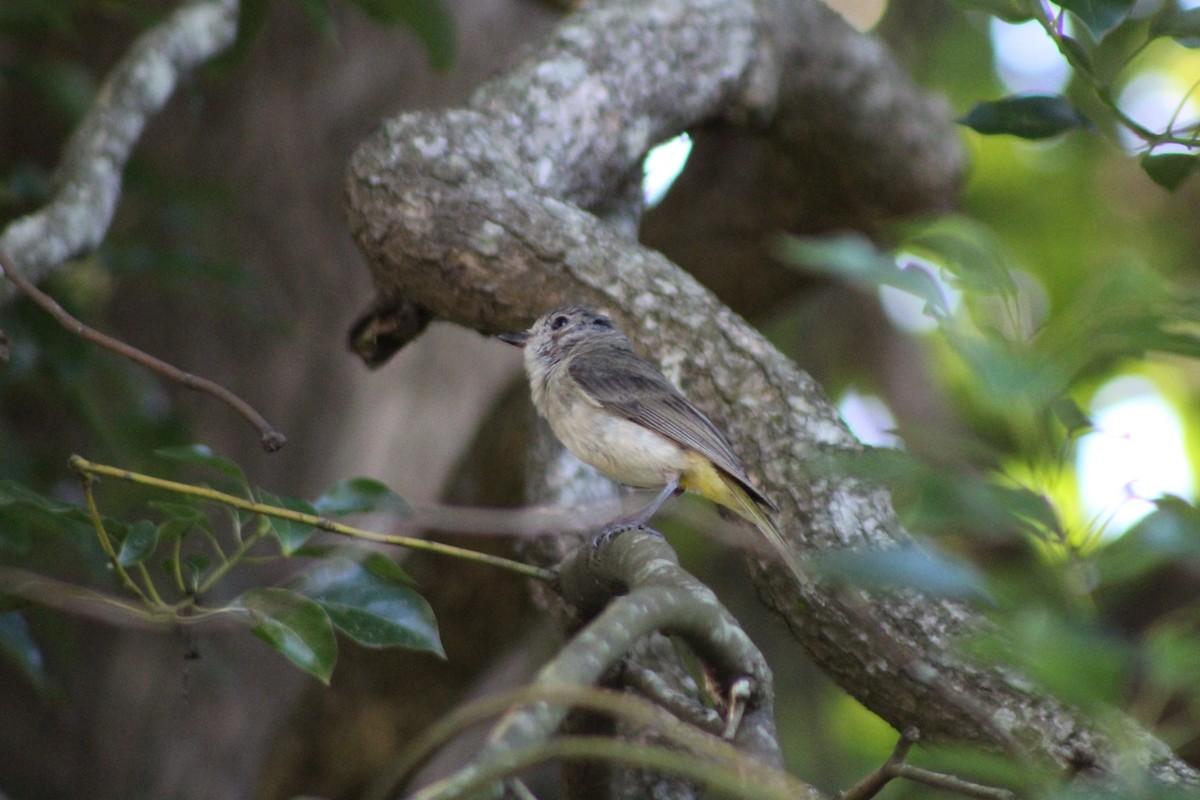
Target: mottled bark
x=481 y=214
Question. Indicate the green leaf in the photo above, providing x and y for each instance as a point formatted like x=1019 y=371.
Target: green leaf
x=291 y=534
x=194 y=568
x=1072 y=417
x=24 y=512
x=358 y=496
x=18 y=648
x=202 y=455
x=1027 y=116
x=1082 y=58
x=376 y=563
x=967 y=249
x=855 y=258
x=1170 y=170
x=295 y=626
x=372 y=608
x=179 y=518
x=907 y=566
x=1008 y=10
x=1167 y=536
x=1100 y=16
x=1182 y=26
x=430 y=20
x=139 y=543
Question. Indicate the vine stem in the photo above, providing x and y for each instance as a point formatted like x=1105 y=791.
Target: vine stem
x=88 y=468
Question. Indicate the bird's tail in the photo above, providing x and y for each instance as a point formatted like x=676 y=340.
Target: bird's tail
x=734 y=496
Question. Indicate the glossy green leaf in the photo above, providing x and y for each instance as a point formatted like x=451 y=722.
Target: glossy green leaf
x=292 y=535
x=1027 y=116
x=178 y=518
x=855 y=258
x=376 y=563
x=139 y=543
x=369 y=605
x=358 y=496
x=1170 y=170
x=430 y=20
x=907 y=566
x=202 y=455
x=1100 y=16
x=295 y=626
x=1181 y=25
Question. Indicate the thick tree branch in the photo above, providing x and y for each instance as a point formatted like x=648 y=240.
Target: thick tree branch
x=630 y=586
x=88 y=178
x=479 y=215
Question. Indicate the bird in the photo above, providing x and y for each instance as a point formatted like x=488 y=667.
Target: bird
x=617 y=412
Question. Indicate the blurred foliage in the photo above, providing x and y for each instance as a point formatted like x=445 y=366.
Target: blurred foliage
x=1065 y=270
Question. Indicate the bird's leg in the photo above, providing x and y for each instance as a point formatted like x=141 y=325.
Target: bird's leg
x=640 y=519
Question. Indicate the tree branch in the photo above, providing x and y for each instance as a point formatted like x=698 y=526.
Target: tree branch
x=271 y=438
x=479 y=214
x=634 y=587
x=88 y=177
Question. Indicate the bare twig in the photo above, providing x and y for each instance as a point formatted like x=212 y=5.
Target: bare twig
x=88 y=176
x=896 y=766
x=272 y=439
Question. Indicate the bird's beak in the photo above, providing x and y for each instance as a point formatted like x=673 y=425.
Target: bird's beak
x=518 y=339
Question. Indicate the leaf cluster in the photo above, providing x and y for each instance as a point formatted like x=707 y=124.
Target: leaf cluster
x=1111 y=35
x=172 y=564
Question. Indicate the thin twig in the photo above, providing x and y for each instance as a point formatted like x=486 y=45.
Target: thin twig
x=106 y=543
x=870 y=786
x=952 y=783
x=86 y=467
x=272 y=439
x=896 y=766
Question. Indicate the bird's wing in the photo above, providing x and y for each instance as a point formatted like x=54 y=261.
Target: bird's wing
x=625 y=384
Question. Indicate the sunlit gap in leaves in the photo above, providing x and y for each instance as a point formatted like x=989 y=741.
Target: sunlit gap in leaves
x=662 y=166
x=1027 y=60
x=869 y=418
x=1135 y=454
x=1153 y=99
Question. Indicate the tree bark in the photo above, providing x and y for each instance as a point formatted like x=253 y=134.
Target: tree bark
x=480 y=214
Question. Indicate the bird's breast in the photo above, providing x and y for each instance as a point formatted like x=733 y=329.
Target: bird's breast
x=622 y=449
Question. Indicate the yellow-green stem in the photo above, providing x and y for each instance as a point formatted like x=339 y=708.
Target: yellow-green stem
x=106 y=542
x=86 y=467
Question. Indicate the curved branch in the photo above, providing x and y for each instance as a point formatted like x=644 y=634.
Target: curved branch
x=656 y=595
x=270 y=438
x=478 y=215
x=88 y=177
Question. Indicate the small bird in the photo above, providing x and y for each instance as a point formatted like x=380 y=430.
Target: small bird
x=617 y=412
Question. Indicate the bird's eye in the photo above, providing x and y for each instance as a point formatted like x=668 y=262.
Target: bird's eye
x=559 y=322
x=602 y=322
